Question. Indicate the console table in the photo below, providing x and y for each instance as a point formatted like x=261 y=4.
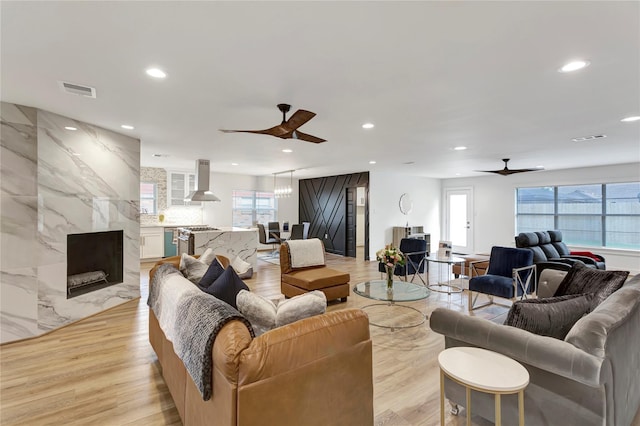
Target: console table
x=400 y=232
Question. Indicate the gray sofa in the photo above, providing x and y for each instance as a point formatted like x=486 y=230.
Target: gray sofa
x=590 y=378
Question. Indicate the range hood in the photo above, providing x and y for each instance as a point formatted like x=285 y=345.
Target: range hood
x=202 y=192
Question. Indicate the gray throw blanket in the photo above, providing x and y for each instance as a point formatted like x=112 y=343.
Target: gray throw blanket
x=199 y=317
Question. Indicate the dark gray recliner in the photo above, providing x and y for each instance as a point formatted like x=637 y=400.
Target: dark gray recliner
x=547 y=255
x=588 y=258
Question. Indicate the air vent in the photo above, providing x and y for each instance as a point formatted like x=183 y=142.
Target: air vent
x=588 y=138
x=77 y=89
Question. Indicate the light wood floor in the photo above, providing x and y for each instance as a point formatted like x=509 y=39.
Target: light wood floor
x=102 y=370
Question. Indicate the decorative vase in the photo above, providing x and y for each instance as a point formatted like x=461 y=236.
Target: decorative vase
x=390 y=277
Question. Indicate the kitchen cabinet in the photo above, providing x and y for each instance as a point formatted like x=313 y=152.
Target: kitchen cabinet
x=180 y=184
x=151 y=242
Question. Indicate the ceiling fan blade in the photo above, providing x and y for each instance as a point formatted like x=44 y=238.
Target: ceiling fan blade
x=278 y=131
x=294 y=134
x=298 y=118
x=308 y=138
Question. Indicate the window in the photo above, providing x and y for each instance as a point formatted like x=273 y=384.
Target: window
x=148 y=198
x=597 y=215
x=251 y=207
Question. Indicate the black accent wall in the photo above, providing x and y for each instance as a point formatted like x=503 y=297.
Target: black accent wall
x=322 y=202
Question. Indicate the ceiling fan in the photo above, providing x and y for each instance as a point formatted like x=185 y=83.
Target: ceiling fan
x=507 y=171
x=288 y=129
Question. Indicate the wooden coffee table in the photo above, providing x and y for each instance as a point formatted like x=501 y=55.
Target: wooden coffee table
x=484 y=371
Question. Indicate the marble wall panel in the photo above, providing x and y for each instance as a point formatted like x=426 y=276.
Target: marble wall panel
x=89 y=162
x=18 y=157
x=18 y=232
x=18 y=304
x=18 y=114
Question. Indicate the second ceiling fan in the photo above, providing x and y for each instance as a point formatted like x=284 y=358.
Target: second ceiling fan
x=288 y=129
x=507 y=171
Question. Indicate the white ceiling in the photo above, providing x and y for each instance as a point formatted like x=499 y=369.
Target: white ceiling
x=430 y=75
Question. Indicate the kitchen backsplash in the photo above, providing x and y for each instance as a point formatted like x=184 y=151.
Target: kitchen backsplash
x=191 y=215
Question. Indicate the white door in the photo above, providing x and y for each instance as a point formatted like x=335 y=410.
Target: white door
x=458 y=219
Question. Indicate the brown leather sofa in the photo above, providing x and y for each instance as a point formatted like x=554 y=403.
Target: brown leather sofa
x=294 y=281
x=317 y=371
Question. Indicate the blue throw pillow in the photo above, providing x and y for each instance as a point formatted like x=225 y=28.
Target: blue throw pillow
x=212 y=274
x=227 y=287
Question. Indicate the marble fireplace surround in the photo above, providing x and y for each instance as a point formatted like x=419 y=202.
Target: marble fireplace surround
x=56 y=182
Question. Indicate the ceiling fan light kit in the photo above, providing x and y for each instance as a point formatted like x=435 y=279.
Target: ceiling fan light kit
x=507 y=171
x=288 y=129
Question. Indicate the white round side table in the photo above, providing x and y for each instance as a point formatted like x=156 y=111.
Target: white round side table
x=484 y=371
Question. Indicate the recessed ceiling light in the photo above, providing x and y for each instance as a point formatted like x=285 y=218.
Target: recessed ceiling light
x=372 y=162
x=574 y=66
x=588 y=138
x=127 y=126
x=234 y=164
x=70 y=128
x=368 y=126
x=629 y=119
x=459 y=148
x=156 y=73
x=457 y=174
x=540 y=167
x=287 y=150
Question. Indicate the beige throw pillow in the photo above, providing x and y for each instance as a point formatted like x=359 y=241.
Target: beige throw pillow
x=208 y=256
x=240 y=265
x=264 y=315
x=299 y=307
x=193 y=269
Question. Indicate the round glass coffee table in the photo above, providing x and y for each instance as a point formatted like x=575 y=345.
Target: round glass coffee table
x=393 y=316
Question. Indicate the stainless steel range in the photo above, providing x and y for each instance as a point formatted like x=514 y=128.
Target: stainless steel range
x=186 y=237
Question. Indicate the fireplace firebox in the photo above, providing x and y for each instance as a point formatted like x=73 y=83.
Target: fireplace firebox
x=94 y=261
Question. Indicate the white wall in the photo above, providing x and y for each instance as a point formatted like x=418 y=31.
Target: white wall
x=494 y=210
x=385 y=190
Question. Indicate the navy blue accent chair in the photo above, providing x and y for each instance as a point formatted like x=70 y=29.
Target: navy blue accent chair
x=415 y=252
x=510 y=275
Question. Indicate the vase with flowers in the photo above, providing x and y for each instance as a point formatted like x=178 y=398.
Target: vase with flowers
x=391 y=257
